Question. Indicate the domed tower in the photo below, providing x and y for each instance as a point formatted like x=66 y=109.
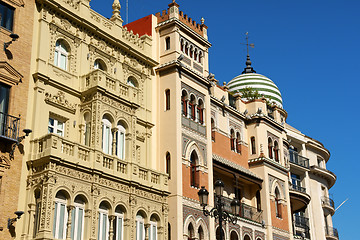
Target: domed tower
x=258 y=82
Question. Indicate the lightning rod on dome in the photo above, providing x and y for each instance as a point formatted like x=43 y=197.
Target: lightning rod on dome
x=248 y=68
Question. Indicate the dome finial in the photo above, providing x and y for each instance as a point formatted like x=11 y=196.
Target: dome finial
x=248 y=68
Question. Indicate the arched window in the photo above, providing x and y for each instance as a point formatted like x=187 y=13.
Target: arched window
x=196 y=55
x=169 y=231
x=184 y=100
x=106 y=135
x=192 y=106
x=191 y=234
x=194 y=176
x=277 y=203
x=77 y=218
x=232 y=140
x=37 y=194
x=103 y=224
x=270 y=148
x=87 y=130
x=140 y=229
x=200 y=233
x=253 y=146
x=238 y=143
x=218 y=233
x=132 y=82
x=246 y=237
x=200 y=57
x=276 y=151
x=258 y=200
x=186 y=48
x=233 y=236
x=100 y=64
x=182 y=45
x=212 y=129
x=118 y=224
x=60 y=216
x=168 y=163
x=167 y=99
x=120 y=141
x=167 y=43
x=200 y=111
x=61 y=54
x=153 y=228
x=191 y=51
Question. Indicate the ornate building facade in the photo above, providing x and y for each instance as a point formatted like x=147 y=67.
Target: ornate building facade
x=128 y=124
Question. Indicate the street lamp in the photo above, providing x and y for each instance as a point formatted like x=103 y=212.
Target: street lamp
x=218 y=211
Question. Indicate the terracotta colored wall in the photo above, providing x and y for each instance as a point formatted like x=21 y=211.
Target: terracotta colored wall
x=189 y=191
x=221 y=147
x=282 y=223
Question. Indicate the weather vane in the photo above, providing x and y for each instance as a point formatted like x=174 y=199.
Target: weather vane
x=247 y=43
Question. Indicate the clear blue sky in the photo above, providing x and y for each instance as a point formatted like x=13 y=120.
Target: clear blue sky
x=310 y=49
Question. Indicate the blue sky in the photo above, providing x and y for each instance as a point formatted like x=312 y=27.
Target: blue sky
x=310 y=49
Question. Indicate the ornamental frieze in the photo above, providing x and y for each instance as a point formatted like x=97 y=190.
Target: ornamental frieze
x=60 y=101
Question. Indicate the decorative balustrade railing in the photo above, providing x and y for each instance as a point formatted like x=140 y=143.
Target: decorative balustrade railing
x=327 y=202
x=54 y=145
x=332 y=232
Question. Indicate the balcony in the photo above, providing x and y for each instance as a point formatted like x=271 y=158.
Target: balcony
x=299 y=160
x=329 y=176
x=52 y=146
x=301 y=225
x=328 y=204
x=246 y=211
x=9 y=127
x=99 y=78
x=298 y=197
x=331 y=233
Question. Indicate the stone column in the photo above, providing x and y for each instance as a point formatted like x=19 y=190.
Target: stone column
x=70 y=208
x=111 y=227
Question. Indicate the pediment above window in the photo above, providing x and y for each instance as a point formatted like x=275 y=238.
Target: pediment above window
x=9 y=75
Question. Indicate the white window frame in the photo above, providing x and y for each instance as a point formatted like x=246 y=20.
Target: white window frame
x=118 y=217
x=61 y=52
x=55 y=128
x=120 y=146
x=152 y=228
x=106 y=127
x=57 y=220
x=102 y=213
x=75 y=221
x=139 y=222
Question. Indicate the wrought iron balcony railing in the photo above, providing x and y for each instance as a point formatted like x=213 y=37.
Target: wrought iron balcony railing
x=9 y=126
x=302 y=222
x=246 y=211
x=328 y=202
x=298 y=188
x=332 y=232
x=298 y=159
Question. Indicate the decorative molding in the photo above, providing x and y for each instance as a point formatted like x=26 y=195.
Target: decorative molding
x=60 y=101
x=9 y=75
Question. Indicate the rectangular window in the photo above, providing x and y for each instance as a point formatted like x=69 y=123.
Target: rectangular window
x=118 y=226
x=153 y=231
x=7 y=16
x=103 y=226
x=77 y=223
x=167 y=99
x=4 y=103
x=56 y=126
x=60 y=219
x=140 y=230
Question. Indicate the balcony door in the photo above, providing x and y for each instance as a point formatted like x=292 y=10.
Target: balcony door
x=4 y=102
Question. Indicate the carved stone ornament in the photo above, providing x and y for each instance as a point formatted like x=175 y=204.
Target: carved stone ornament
x=73 y=3
x=59 y=101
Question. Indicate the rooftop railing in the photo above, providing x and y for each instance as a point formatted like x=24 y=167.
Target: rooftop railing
x=9 y=126
x=298 y=159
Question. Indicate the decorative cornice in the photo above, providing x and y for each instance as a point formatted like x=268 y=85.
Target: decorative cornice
x=268 y=161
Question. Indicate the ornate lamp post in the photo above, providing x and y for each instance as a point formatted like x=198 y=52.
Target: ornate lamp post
x=218 y=211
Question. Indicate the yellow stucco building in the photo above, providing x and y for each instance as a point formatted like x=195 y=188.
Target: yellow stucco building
x=129 y=124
